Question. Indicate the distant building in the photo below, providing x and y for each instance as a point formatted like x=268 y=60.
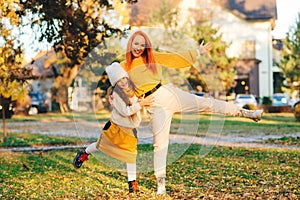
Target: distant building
x=43 y=76
x=246 y=25
x=80 y=96
x=277 y=76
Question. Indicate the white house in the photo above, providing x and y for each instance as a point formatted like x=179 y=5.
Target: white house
x=246 y=25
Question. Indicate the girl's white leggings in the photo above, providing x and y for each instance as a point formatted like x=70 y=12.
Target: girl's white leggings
x=130 y=167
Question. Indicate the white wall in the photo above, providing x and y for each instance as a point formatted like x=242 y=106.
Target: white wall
x=237 y=31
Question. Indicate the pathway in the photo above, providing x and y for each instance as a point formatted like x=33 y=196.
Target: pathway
x=86 y=129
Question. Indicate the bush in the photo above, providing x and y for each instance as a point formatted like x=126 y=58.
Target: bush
x=266 y=101
x=279 y=109
x=297 y=111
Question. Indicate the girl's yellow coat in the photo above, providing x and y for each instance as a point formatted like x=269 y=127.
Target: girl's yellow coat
x=119 y=143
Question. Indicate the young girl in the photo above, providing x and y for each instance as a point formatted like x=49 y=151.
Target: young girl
x=119 y=135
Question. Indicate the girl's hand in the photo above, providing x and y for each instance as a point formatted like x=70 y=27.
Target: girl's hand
x=204 y=48
x=110 y=96
x=110 y=100
x=148 y=101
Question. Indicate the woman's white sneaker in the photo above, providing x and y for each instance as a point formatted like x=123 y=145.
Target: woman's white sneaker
x=161 y=186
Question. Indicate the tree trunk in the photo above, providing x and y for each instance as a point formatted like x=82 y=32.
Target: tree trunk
x=4 y=125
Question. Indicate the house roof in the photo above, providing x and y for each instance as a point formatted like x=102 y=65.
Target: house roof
x=40 y=66
x=251 y=9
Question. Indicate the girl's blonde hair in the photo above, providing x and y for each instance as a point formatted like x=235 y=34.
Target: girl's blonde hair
x=125 y=95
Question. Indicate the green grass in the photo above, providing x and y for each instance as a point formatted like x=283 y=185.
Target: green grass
x=103 y=115
x=271 y=123
x=41 y=117
x=33 y=140
x=224 y=173
x=284 y=141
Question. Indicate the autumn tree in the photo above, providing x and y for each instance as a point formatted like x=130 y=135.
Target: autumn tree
x=216 y=68
x=12 y=76
x=150 y=12
x=78 y=26
x=123 y=11
x=74 y=28
x=290 y=59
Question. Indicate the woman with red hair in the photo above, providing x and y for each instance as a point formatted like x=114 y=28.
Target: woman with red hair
x=144 y=66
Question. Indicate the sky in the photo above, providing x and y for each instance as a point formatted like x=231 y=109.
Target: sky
x=287 y=13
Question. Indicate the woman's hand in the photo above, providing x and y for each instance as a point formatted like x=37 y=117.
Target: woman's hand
x=148 y=101
x=204 y=48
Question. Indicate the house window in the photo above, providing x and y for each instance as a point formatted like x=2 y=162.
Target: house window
x=276 y=50
x=248 y=50
x=275 y=57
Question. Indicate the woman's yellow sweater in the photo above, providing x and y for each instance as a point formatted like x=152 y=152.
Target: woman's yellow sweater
x=145 y=80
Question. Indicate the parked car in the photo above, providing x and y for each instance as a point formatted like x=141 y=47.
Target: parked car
x=280 y=99
x=245 y=99
x=37 y=103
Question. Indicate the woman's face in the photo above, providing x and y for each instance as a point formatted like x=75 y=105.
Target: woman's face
x=123 y=83
x=138 y=46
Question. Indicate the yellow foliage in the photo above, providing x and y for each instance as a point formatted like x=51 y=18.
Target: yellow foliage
x=86 y=39
x=13 y=89
x=122 y=10
x=99 y=36
x=8 y=9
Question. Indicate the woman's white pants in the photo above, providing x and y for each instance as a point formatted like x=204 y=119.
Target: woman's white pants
x=168 y=100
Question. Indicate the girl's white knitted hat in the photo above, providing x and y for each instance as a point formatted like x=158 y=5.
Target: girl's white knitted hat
x=115 y=72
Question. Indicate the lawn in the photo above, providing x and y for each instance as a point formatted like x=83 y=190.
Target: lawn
x=36 y=140
x=271 y=123
x=224 y=173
